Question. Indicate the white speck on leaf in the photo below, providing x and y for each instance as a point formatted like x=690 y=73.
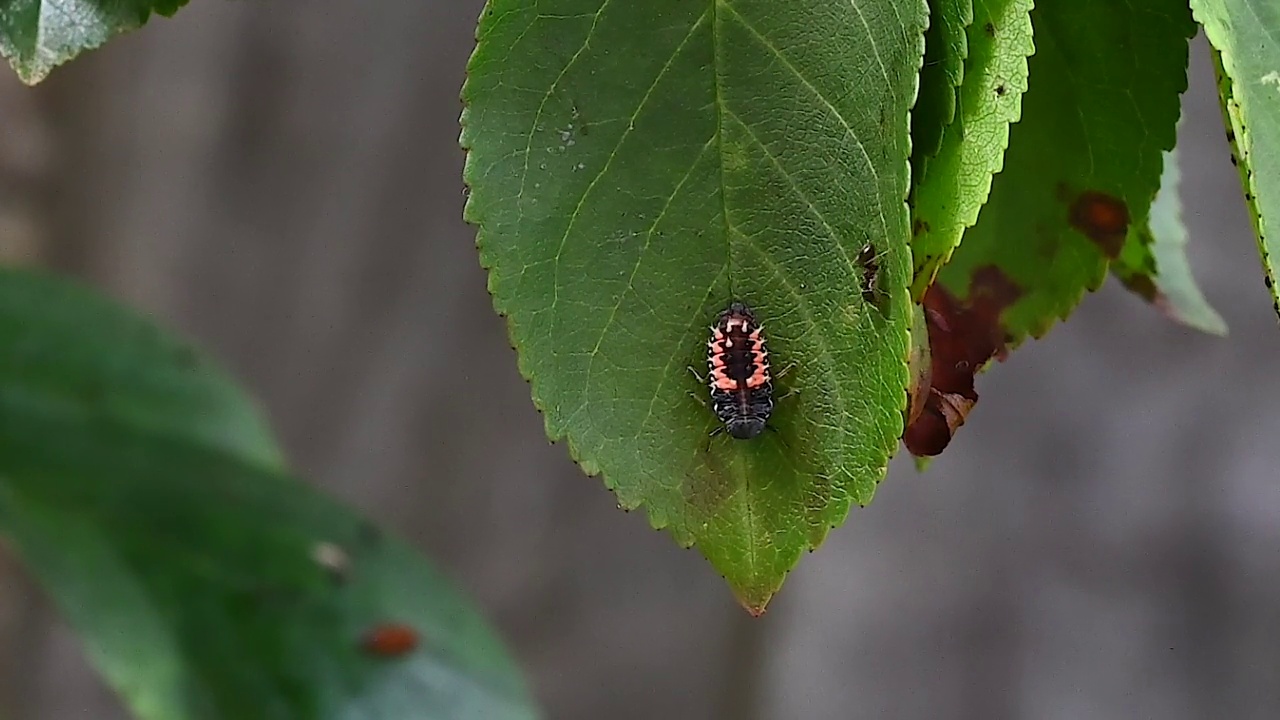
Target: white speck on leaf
x=331 y=557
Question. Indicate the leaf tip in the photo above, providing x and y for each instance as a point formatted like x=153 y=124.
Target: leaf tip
x=755 y=604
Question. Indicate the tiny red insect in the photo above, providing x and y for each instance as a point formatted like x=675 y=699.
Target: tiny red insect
x=738 y=365
x=389 y=640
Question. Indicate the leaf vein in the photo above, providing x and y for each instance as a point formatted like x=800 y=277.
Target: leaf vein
x=786 y=63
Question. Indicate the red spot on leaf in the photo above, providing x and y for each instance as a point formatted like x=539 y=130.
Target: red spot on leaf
x=962 y=338
x=389 y=640
x=1102 y=218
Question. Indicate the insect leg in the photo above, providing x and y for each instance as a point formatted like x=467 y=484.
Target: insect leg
x=701 y=380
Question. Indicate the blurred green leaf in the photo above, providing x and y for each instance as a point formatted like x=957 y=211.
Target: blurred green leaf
x=1247 y=54
x=141 y=490
x=956 y=181
x=1083 y=163
x=1154 y=263
x=78 y=349
x=634 y=167
x=38 y=35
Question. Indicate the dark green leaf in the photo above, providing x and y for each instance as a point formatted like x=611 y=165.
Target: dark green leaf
x=1083 y=163
x=1244 y=34
x=142 y=493
x=634 y=167
x=1154 y=263
x=39 y=35
x=956 y=181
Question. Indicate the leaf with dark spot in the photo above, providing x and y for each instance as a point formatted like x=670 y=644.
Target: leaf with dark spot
x=144 y=493
x=962 y=340
x=1084 y=161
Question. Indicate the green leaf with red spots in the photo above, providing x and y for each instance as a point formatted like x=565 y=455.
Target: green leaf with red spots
x=1245 y=35
x=949 y=193
x=144 y=493
x=38 y=35
x=1154 y=262
x=1084 y=162
x=634 y=167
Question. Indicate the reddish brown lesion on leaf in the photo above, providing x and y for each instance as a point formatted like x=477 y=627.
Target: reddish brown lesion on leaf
x=390 y=640
x=962 y=339
x=1102 y=218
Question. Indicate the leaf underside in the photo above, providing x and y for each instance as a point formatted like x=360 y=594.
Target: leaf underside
x=1247 y=55
x=634 y=167
x=1083 y=163
x=1154 y=263
x=143 y=491
x=957 y=179
x=38 y=35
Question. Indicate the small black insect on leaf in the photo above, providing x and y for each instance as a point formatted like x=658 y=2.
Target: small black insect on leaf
x=870 y=262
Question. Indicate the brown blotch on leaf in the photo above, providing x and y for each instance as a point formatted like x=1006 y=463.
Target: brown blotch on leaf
x=990 y=29
x=1000 y=90
x=962 y=339
x=920 y=226
x=1102 y=218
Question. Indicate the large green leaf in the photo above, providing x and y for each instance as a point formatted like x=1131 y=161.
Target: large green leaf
x=1083 y=163
x=39 y=35
x=1154 y=263
x=141 y=491
x=634 y=166
x=1245 y=35
x=956 y=180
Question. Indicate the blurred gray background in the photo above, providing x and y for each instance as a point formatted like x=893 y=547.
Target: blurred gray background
x=280 y=180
